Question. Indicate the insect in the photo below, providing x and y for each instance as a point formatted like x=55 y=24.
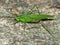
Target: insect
x=33 y=18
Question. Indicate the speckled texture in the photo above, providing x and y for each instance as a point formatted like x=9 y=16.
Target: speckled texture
x=29 y=34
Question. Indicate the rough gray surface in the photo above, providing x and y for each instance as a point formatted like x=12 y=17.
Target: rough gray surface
x=33 y=34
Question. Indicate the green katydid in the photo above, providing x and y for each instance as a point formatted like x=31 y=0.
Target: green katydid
x=33 y=18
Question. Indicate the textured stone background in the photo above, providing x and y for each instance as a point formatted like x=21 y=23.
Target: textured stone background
x=33 y=34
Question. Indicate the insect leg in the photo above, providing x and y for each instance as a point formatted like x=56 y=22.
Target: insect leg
x=44 y=26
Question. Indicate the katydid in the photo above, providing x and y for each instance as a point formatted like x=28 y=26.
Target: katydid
x=33 y=18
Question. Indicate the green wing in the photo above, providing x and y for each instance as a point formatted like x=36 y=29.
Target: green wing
x=38 y=16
